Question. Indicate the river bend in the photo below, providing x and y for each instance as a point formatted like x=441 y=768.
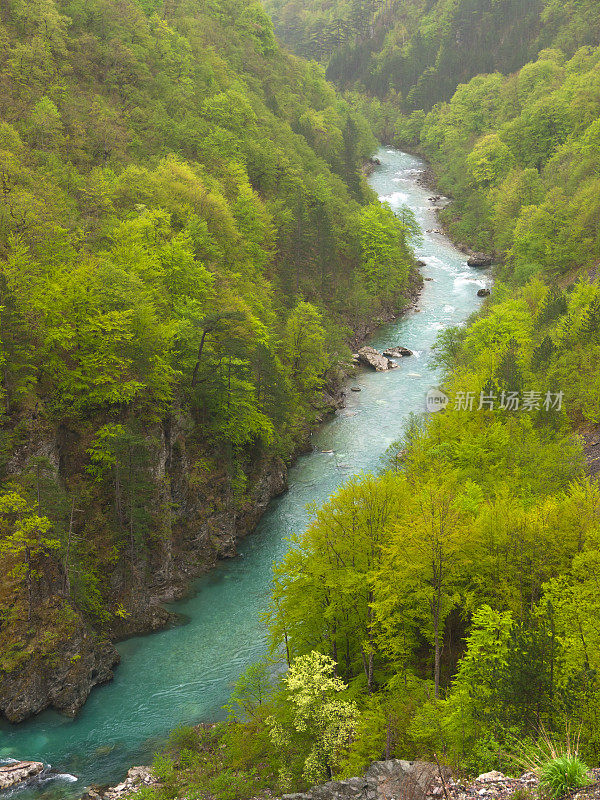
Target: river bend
x=185 y=674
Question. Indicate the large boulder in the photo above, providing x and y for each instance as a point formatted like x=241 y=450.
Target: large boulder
x=480 y=261
x=483 y=293
x=382 y=781
x=397 y=352
x=19 y=772
x=373 y=358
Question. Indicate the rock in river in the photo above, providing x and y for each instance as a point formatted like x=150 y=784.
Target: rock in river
x=20 y=771
x=373 y=358
x=397 y=352
x=483 y=293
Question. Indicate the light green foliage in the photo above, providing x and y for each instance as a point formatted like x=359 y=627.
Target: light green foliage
x=304 y=347
x=26 y=541
x=329 y=722
x=482 y=532
x=251 y=691
x=489 y=160
x=561 y=775
x=178 y=240
x=524 y=173
x=384 y=242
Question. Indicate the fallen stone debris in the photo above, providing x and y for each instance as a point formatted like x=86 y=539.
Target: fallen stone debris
x=137 y=777
x=497 y=786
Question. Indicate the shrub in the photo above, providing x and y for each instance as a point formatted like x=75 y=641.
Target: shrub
x=184 y=737
x=561 y=775
x=521 y=794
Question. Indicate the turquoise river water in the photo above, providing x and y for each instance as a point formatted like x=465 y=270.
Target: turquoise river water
x=185 y=674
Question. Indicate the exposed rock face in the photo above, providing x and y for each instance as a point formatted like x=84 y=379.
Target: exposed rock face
x=63 y=658
x=483 y=293
x=82 y=661
x=373 y=358
x=480 y=261
x=591 y=442
x=398 y=352
x=404 y=780
x=19 y=772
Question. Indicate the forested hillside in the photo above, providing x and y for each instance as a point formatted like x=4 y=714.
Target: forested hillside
x=447 y=608
x=186 y=244
x=520 y=155
x=414 y=53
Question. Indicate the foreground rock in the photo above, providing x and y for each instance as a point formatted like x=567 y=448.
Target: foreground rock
x=19 y=772
x=403 y=780
x=480 y=261
x=136 y=779
x=398 y=352
x=373 y=358
x=483 y=293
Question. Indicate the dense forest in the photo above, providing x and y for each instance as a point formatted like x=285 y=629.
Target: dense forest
x=414 y=53
x=187 y=246
x=447 y=607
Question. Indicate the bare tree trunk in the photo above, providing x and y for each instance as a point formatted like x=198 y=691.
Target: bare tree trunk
x=118 y=497
x=198 y=358
x=436 y=635
x=68 y=553
x=29 y=585
x=131 y=517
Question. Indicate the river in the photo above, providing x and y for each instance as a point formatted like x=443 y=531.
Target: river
x=185 y=674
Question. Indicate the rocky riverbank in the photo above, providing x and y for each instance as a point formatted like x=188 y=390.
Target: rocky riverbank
x=386 y=780
x=59 y=671
x=476 y=259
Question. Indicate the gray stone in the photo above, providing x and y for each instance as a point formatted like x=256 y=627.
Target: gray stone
x=19 y=772
x=384 y=780
x=397 y=352
x=491 y=777
x=137 y=777
x=373 y=358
